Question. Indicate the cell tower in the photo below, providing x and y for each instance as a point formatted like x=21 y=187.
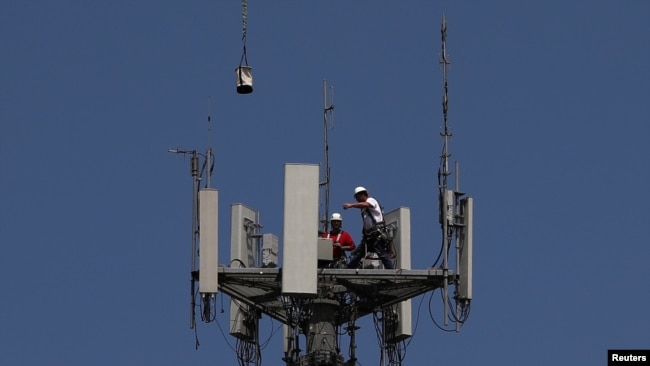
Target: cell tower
x=316 y=304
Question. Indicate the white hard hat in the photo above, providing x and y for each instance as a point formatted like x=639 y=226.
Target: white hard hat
x=359 y=189
x=336 y=217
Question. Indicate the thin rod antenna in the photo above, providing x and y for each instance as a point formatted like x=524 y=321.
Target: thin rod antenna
x=445 y=104
x=208 y=155
x=209 y=122
x=327 y=110
x=194 y=170
x=457 y=182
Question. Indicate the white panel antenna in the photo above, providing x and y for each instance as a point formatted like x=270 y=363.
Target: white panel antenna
x=208 y=240
x=466 y=238
x=242 y=325
x=243 y=252
x=299 y=257
x=286 y=338
x=269 y=251
x=449 y=212
x=242 y=255
x=398 y=222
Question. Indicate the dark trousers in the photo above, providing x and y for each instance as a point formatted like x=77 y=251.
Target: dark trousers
x=378 y=246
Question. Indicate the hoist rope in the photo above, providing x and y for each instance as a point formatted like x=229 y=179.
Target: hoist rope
x=244 y=16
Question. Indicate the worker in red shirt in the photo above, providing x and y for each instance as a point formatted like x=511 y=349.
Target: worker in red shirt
x=341 y=240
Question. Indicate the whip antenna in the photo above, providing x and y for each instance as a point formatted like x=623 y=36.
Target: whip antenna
x=328 y=116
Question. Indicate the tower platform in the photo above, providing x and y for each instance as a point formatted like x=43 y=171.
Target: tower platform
x=367 y=289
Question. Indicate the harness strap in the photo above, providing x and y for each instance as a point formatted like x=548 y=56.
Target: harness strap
x=338 y=237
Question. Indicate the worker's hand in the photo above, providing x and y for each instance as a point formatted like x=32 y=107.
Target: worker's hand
x=346 y=206
x=337 y=244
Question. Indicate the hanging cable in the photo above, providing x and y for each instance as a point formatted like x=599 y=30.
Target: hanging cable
x=225 y=338
x=273 y=330
x=433 y=318
x=377 y=322
x=196 y=332
x=405 y=343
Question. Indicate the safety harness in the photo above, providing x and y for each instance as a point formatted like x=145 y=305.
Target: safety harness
x=343 y=260
x=378 y=228
x=378 y=231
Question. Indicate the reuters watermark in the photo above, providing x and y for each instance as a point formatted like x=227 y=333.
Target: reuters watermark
x=628 y=357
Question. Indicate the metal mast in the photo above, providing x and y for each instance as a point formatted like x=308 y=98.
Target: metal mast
x=456 y=216
x=197 y=174
x=446 y=196
x=196 y=179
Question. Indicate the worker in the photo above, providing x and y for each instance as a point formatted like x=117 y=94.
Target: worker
x=341 y=241
x=374 y=232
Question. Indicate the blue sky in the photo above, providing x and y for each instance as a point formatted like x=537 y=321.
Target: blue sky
x=549 y=107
